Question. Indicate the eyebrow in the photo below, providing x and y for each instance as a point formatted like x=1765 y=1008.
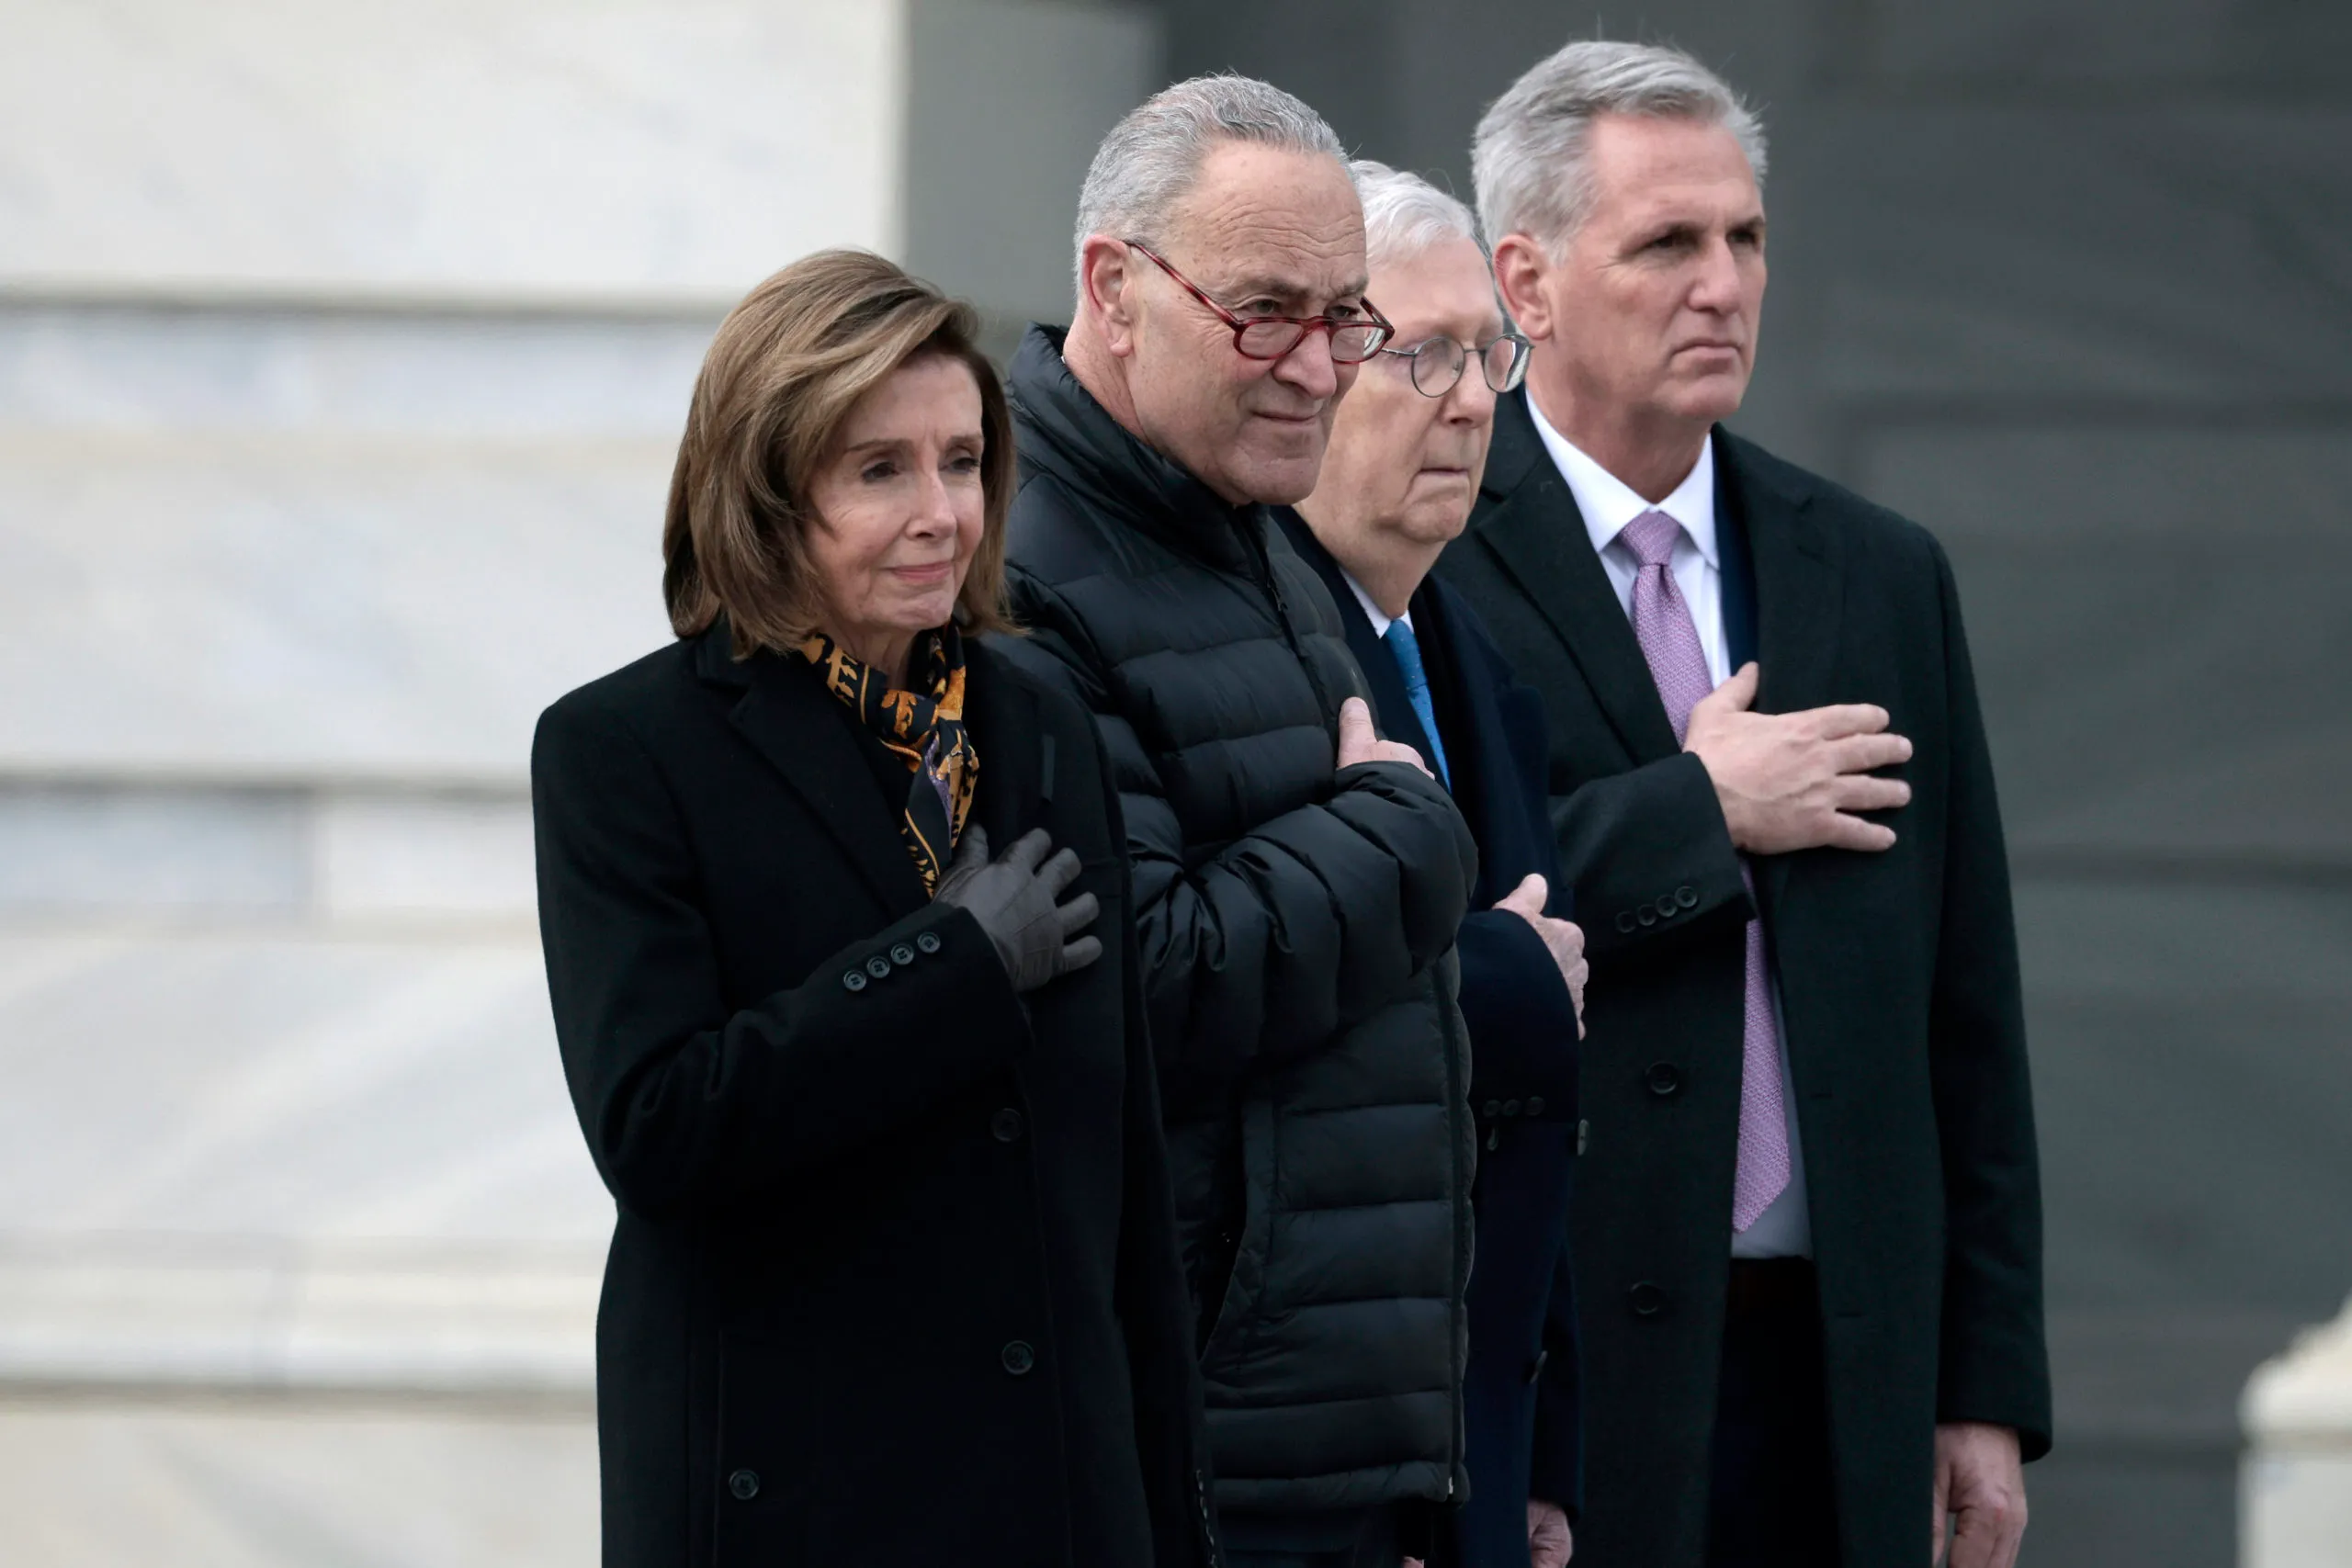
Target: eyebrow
x=1263 y=286
x=901 y=442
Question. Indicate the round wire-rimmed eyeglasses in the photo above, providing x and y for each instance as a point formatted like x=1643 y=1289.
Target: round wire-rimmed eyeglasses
x=1354 y=339
x=1438 y=363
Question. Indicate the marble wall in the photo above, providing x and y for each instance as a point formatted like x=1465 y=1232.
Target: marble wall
x=344 y=346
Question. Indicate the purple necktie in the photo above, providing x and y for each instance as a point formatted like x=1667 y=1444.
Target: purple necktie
x=1670 y=640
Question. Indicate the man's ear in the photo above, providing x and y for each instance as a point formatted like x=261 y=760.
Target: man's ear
x=1106 y=283
x=1521 y=267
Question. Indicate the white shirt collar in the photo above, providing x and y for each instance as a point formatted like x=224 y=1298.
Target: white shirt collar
x=1607 y=505
x=1380 y=623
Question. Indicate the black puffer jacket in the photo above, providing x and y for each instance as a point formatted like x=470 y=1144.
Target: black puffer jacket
x=1296 y=929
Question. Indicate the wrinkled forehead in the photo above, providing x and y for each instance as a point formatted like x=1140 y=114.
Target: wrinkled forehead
x=1265 y=223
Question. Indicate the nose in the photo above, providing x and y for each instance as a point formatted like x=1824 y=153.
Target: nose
x=1716 y=288
x=1470 y=401
x=935 y=512
x=1310 y=368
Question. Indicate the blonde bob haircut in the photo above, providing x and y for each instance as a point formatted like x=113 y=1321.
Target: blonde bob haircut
x=787 y=366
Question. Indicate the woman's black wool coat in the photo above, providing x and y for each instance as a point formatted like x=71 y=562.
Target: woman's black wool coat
x=894 y=1277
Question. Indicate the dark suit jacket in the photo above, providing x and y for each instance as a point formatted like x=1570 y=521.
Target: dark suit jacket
x=894 y=1271
x=1521 y=1401
x=1898 y=980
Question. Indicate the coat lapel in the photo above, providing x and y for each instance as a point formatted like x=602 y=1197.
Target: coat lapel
x=1537 y=533
x=1799 y=598
x=1014 y=747
x=786 y=714
x=1798 y=580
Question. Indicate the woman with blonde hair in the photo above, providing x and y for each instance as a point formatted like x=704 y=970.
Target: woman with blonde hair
x=893 y=1278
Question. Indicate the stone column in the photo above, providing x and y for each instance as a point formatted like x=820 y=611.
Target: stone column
x=2295 y=1501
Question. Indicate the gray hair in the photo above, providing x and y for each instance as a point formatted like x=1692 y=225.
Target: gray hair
x=1531 y=156
x=1404 y=214
x=1149 y=161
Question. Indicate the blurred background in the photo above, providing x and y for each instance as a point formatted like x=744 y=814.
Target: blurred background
x=344 y=346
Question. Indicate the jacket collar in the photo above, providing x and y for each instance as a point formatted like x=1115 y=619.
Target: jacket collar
x=1529 y=520
x=1800 y=573
x=1064 y=432
x=786 y=714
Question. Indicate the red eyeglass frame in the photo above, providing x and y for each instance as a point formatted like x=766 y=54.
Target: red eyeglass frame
x=1377 y=323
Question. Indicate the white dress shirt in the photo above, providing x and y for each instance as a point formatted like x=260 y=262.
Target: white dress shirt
x=1380 y=623
x=1783 y=1229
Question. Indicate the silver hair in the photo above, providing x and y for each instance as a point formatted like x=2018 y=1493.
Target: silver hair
x=1531 y=156
x=1404 y=214
x=1147 y=162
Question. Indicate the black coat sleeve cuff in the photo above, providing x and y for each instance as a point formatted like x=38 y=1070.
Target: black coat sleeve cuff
x=1650 y=856
x=1522 y=1021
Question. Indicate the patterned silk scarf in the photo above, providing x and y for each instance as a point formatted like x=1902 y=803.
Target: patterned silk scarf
x=923 y=729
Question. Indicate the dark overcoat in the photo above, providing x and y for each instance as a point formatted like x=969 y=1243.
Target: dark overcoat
x=1897 y=976
x=1522 y=1426
x=894 y=1275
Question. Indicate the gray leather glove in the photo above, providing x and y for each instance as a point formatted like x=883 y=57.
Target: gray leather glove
x=1013 y=897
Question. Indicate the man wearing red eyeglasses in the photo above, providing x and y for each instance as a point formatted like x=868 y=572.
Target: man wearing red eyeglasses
x=1296 y=881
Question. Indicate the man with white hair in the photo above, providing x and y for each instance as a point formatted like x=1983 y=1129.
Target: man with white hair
x=1296 y=881
x=1808 y=1222
x=1407 y=452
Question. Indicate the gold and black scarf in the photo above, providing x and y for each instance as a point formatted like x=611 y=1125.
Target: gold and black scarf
x=923 y=729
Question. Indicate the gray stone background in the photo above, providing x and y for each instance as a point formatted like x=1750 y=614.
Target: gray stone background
x=2070 y=282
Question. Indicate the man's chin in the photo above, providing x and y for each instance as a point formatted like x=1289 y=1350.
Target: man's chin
x=1278 y=482
x=1705 y=399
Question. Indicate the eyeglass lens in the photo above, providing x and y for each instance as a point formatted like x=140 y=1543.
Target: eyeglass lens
x=1438 y=364
x=1352 y=342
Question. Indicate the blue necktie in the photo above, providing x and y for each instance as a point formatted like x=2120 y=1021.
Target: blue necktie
x=1408 y=652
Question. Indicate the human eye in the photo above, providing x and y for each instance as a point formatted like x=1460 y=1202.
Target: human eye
x=878 y=470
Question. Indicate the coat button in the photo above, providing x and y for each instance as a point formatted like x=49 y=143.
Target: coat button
x=1666 y=908
x=854 y=981
x=1626 y=921
x=878 y=966
x=1018 y=1358
x=1511 y=1108
x=1005 y=1124
x=927 y=943
x=745 y=1485
x=1494 y=1108
x=1647 y=915
x=902 y=956
x=1663 y=1079
x=1687 y=896
x=1646 y=1300
x=1535 y=1105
